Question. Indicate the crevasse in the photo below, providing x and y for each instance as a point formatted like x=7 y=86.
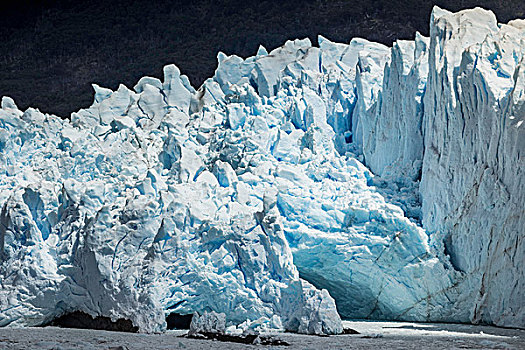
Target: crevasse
x=291 y=189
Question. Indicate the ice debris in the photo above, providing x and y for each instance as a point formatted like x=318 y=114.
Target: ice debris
x=212 y=326
x=250 y=197
x=208 y=322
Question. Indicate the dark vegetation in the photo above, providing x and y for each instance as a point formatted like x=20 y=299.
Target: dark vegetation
x=52 y=50
x=79 y=319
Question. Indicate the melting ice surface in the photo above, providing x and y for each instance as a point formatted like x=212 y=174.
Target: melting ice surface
x=249 y=195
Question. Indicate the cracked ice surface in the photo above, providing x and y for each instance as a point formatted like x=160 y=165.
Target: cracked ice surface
x=246 y=197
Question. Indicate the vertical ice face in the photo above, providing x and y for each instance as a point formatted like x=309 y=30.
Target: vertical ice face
x=396 y=149
x=450 y=116
x=248 y=196
x=387 y=121
x=472 y=180
x=369 y=82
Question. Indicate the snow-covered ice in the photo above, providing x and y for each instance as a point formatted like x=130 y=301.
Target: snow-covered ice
x=291 y=188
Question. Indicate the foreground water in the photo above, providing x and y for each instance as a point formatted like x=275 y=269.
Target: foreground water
x=377 y=335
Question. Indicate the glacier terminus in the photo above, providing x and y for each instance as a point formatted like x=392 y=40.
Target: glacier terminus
x=292 y=189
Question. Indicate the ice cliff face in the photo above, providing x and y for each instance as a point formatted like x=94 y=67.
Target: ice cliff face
x=481 y=218
x=250 y=195
x=451 y=109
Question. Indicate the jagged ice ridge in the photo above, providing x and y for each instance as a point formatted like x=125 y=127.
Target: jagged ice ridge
x=385 y=181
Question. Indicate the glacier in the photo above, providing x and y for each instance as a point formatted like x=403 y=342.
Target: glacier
x=293 y=188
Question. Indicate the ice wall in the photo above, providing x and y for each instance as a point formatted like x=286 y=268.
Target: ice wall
x=249 y=196
x=472 y=183
x=452 y=112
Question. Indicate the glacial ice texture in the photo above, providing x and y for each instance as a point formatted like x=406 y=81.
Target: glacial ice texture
x=290 y=188
x=450 y=114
